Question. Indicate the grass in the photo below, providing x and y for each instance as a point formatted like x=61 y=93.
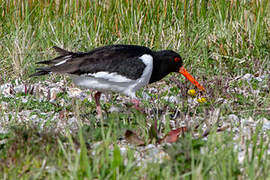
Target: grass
x=220 y=41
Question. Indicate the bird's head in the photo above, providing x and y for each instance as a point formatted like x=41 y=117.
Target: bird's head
x=176 y=65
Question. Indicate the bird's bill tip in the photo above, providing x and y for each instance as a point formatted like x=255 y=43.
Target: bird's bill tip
x=184 y=72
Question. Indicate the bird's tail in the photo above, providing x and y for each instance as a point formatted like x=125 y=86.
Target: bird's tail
x=46 y=70
x=40 y=72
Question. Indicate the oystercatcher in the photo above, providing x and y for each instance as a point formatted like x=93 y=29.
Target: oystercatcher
x=119 y=68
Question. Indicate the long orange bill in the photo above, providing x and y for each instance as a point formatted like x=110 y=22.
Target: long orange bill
x=183 y=71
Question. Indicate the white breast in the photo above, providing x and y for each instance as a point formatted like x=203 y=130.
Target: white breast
x=144 y=79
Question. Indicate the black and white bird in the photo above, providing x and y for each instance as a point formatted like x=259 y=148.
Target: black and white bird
x=118 y=68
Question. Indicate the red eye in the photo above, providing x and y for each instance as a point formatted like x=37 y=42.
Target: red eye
x=177 y=59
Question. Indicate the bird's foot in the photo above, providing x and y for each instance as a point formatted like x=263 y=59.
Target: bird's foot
x=98 y=107
x=99 y=112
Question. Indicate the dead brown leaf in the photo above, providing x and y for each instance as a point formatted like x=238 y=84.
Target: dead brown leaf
x=133 y=138
x=173 y=135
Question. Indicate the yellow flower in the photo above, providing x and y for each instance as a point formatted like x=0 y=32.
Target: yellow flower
x=192 y=92
x=201 y=100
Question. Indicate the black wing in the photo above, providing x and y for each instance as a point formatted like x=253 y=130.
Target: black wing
x=121 y=59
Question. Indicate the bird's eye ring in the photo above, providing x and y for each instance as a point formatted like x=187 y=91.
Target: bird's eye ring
x=177 y=59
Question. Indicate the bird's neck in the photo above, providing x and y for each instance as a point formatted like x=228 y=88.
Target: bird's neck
x=159 y=69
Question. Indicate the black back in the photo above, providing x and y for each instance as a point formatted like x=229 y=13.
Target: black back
x=122 y=59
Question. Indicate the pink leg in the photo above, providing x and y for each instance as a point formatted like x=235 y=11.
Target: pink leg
x=136 y=103
x=98 y=107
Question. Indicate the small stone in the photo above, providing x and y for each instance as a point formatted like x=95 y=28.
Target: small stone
x=266 y=123
x=153 y=90
x=20 y=88
x=248 y=77
x=233 y=118
x=265 y=87
x=74 y=92
x=241 y=157
x=259 y=79
x=102 y=97
x=3 y=105
x=123 y=150
x=172 y=99
x=150 y=146
x=145 y=96
x=219 y=100
x=248 y=122
x=54 y=92
x=24 y=100
x=114 y=109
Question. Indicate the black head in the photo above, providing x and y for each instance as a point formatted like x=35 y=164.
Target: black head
x=165 y=62
x=170 y=60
